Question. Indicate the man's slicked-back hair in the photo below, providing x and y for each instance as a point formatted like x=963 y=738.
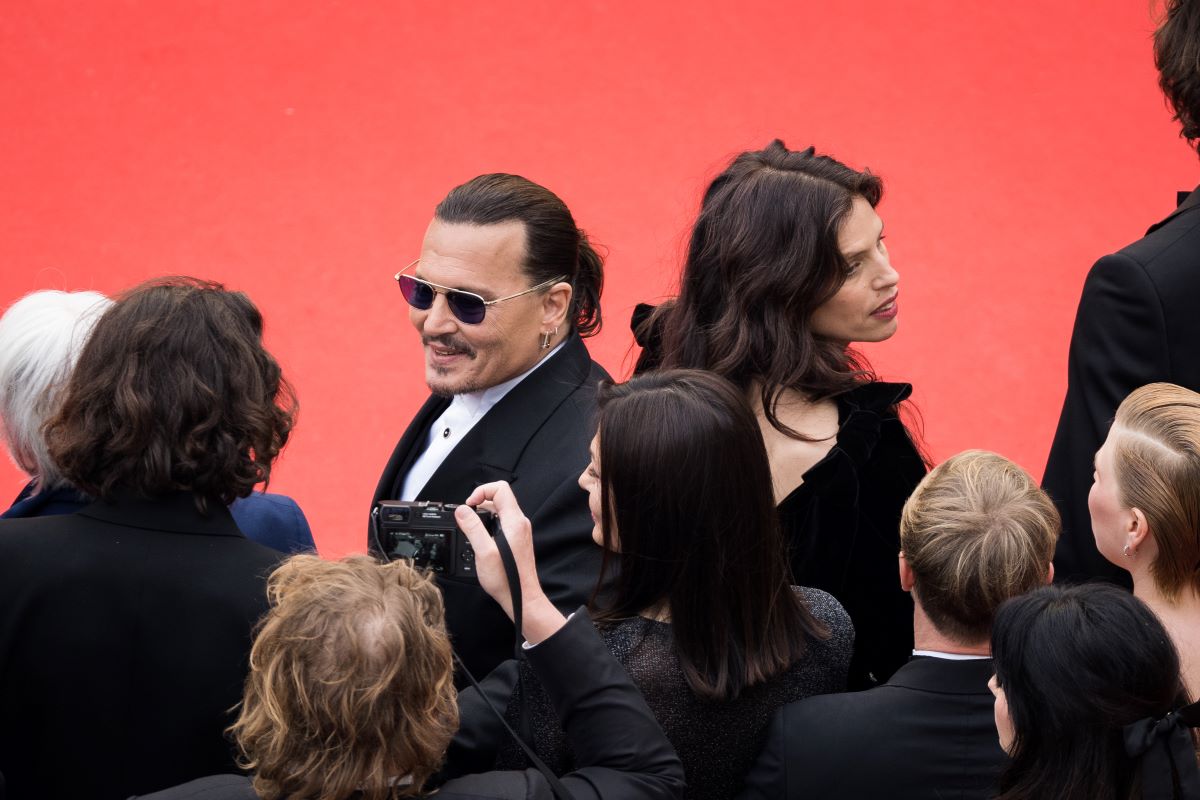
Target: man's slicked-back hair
x=1156 y=457
x=173 y=391
x=41 y=336
x=976 y=531
x=554 y=244
x=351 y=683
x=1177 y=56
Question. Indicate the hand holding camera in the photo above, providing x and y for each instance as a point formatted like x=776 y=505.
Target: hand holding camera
x=540 y=618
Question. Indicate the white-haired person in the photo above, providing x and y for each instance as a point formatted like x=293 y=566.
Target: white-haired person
x=41 y=337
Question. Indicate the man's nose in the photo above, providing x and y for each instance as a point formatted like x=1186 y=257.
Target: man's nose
x=439 y=319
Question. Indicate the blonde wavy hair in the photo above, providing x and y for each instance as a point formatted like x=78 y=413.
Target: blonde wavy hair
x=350 y=691
x=1156 y=458
x=976 y=531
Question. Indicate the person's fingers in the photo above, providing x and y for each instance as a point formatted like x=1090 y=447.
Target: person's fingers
x=485 y=492
x=471 y=525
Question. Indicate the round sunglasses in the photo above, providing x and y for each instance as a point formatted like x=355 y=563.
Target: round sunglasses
x=467 y=307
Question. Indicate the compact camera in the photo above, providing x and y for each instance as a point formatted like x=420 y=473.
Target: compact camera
x=426 y=534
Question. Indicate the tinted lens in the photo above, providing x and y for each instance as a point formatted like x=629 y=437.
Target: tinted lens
x=418 y=295
x=468 y=308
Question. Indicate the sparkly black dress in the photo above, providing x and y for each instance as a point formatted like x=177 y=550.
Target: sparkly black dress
x=717 y=742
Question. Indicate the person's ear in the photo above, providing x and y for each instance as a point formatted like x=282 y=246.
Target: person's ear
x=1050 y=574
x=556 y=303
x=1138 y=530
x=906 y=574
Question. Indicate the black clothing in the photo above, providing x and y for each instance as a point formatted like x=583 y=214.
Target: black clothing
x=623 y=752
x=717 y=742
x=1136 y=324
x=537 y=439
x=929 y=732
x=124 y=635
x=843 y=526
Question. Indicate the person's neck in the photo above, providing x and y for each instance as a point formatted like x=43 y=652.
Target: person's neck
x=926 y=636
x=1178 y=615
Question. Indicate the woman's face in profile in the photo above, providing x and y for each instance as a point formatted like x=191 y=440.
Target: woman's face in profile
x=1004 y=728
x=1110 y=520
x=864 y=308
x=589 y=481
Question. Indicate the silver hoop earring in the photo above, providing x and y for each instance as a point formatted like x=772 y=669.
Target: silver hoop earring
x=546 y=340
x=1128 y=552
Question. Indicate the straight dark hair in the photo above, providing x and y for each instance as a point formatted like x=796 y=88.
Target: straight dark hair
x=690 y=520
x=1077 y=664
x=763 y=256
x=173 y=392
x=1177 y=56
x=554 y=245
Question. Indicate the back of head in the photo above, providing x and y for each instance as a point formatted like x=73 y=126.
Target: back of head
x=1156 y=458
x=691 y=514
x=41 y=336
x=173 y=392
x=1177 y=56
x=763 y=256
x=1076 y=665
x=350 y=690
x=554 y=245
x=976 y=531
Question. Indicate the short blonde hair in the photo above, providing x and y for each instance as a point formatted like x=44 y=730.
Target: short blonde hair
x=350 y=688
x=976 y=531
x=1156 y=458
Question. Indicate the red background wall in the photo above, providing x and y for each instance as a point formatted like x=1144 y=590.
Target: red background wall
x=295 y=150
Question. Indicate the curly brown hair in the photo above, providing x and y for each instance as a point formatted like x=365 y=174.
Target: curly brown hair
x=1177 y=56
x=174 y=391
x=351 y=689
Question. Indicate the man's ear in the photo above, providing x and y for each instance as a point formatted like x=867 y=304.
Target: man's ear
x=906 y=574
x=556 y=303
x=1050 y=574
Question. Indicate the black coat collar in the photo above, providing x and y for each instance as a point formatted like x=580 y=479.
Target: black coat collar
x=945 y=675
x=175 y=512
x=1190 y=202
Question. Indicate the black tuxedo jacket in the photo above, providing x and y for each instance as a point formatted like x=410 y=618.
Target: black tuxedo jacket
x=124 y=634
x=537 y=439
x=929 y=732
x=1137 y=323
x=622 y=752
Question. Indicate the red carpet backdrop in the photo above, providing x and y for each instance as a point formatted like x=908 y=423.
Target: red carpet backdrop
x=295 y=150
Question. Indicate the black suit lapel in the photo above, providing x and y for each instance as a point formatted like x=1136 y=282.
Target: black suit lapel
x=411 y=445
x=1190 y=202
x=493 y=448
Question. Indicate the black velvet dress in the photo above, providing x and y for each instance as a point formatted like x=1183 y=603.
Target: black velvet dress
x=842 y=524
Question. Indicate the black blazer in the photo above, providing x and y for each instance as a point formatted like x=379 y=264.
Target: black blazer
x=1137 y=323
x=929 y=732
x=537 y=439
x=124 y=634
x=623 y=753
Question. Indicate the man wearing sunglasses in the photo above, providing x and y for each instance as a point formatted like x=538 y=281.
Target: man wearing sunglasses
x=504 y=291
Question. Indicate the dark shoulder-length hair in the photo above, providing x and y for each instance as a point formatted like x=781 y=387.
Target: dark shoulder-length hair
x=690 y=522
x=1076 y=665
x=1177 y=56
x=173 y=391
x=763 y=256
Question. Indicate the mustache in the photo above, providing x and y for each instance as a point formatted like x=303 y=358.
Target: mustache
x=449 y=343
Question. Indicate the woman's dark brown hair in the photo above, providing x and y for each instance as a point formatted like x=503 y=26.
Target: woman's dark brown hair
x=691 y=524
x=763 y=256
x=554 y=245
x=173 y=392
x=1177 y=56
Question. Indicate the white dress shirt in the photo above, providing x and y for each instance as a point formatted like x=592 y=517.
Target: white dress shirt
x=464 y=411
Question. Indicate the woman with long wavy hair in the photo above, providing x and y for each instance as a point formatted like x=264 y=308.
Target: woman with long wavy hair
x=786 y=270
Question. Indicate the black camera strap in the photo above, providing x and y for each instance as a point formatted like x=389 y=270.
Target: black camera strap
x=514 y=587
